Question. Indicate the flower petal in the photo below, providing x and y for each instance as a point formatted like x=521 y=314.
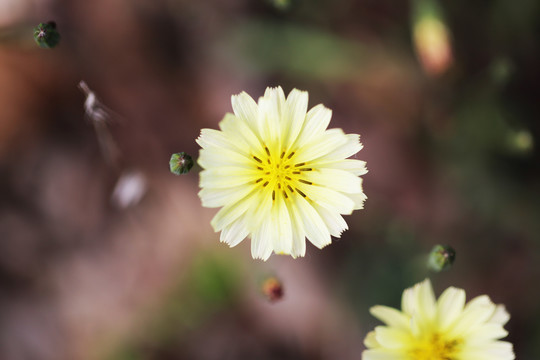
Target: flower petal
x=261 y=242
x=271 y=109
x=283 y=236
x=358 y=199
x=246 y=109
x=317 y=120
x=230 y=212
x=335 y=179
x=241 y=134
x=234 y=233
x=391 y=317
x=383 y=354
x=209 y=159
x=425 y=301
x=298 y=232
x=486 y=333
x=476 y=312
x=449 y=306
x=328 y=198
x=316 y=230
x=317 y=149
x=210 y=138
x=355 y=167
x=371 y=340
x=500 y=316
x=350 y=147
x=392 y=338
x=499 y=350
x=332 y=219
x=220 y=197
x=295 y=116
x=226 y=177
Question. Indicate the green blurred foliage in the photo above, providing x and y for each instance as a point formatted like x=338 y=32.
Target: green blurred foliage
x=210 y=285
x=303 y=52
x=297 y=51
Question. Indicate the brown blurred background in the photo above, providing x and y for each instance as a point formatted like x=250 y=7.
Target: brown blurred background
x=445 y=99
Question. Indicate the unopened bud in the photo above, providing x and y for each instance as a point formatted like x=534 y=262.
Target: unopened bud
x=272 y=289
x=46 y=35
x=431 y=37
x=441 y=257
x=180 y=163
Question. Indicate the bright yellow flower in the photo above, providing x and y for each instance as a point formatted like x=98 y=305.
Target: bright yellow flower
x=444 y=329
x=279 y=175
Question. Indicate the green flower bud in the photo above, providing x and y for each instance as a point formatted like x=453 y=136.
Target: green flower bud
x=46 y=35
x=180 y=163
x=441 y=257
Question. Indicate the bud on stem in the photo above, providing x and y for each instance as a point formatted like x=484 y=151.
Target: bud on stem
x=441 y=258
x=46 y=35
x=180 y=163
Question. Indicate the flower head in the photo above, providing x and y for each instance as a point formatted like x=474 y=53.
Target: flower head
x=279 y=175
x=443 y=329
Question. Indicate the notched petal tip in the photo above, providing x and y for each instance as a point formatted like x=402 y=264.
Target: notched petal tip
x=262 y=257
x=501 y=315
x=297 y=95
x=198 y=140
x=240 y=96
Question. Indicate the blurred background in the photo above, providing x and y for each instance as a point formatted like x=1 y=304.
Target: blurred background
x=105 y=255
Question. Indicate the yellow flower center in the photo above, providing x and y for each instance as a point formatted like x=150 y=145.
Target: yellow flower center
x=281 y=173
x=435 y=348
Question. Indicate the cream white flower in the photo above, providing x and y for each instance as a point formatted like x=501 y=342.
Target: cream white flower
x=443 y=329
x=279 y=175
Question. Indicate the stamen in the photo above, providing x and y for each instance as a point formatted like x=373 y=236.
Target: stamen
x=258 y=180
x=300 y=164
x=287 y=166
x=288 y=178
x=300 y=192
x=290 y=155
x=266 y=183
x=282 y=155
x=306 y=169
x=257 y=159
x=259 y=168
x=273 y=195
x=285 y=194
x=279 y=185
x=305 y=182
x=290 y=188
x=296 y=172
x=267 y=151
